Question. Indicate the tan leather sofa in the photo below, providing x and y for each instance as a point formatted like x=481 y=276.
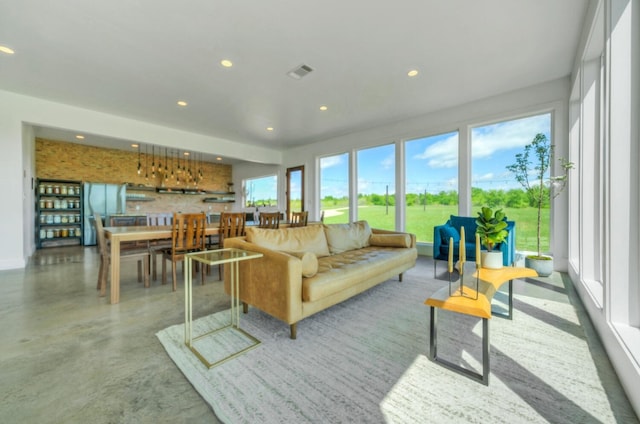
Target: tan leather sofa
x=307 y=269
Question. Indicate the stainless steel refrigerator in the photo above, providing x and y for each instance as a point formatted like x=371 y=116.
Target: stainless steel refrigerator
x=106 y=199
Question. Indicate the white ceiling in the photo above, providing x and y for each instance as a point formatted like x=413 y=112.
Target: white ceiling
x=138 y=58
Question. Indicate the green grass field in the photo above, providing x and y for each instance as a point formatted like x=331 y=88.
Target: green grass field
x=421 y=220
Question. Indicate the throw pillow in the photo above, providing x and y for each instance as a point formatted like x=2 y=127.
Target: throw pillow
x=309 y=263
x=298 y=239
x=448 y=231
x=390 y=240
x=343 y=237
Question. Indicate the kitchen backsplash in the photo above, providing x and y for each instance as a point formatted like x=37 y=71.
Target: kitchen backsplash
x=72 y=161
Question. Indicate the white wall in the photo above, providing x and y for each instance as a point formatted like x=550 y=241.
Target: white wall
x=12 y=245
x=18 y=112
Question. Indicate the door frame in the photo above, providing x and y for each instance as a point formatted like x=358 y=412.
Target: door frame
x=288 y=189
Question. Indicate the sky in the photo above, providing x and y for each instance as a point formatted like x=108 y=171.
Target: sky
x=432 y=162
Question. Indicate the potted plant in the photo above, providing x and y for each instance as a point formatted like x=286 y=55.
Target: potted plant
x=492 y=231
x=536 y=161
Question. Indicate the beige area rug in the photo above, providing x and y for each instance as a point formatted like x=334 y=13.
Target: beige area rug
x=365 y=361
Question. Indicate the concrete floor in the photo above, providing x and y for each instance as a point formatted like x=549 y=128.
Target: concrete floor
x=70 y=357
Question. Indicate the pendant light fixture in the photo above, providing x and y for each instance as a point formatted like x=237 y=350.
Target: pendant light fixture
x=173 y=164
x=166 y=166
x=153 y=162
x=146 y=163
x=139 y=164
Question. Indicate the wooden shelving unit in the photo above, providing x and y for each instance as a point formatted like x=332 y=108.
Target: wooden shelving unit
x=59 y=217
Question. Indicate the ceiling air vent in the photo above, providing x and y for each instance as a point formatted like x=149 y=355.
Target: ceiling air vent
x=300 y=71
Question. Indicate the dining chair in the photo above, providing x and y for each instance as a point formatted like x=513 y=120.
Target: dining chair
x=213 y=240
x=231 y=225
x=269 y=220
x=141 y=255
x=156 y=247
x=299 y=219
x=187 y=236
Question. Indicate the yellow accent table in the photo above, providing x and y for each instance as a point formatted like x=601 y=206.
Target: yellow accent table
x=489 y=283
x=217 y=257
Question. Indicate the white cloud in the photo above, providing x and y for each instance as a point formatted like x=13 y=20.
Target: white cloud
x=363 y=185
x=330 y=161
x=486 y=177
x=442 y=154
x=490 y=139
x=388 y=162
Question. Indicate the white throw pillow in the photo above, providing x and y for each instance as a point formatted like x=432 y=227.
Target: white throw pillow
x=343 y=237
x=298 y=239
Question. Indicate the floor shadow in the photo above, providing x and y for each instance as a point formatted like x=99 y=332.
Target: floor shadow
x=561 y=409
x=545 y=285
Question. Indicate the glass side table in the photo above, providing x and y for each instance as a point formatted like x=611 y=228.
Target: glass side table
x=236 y=340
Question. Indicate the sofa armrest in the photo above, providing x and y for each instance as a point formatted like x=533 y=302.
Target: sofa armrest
x=508 y=246
x=272 y=283
x=381 y=231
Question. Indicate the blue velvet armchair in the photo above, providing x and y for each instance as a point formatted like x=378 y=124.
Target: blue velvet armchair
x=442 y=233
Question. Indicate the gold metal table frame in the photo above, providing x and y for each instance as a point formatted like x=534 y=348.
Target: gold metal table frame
x=217 y=257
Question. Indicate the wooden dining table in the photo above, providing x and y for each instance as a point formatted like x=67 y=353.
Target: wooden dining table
x=117 y=235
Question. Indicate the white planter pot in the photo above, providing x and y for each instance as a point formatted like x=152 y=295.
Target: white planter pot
x=491 y=260
x=544 y=267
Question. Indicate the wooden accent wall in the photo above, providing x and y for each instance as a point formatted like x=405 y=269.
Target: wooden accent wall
x=73 y=161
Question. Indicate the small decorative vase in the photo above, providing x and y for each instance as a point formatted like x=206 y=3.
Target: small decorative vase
x=491 y=260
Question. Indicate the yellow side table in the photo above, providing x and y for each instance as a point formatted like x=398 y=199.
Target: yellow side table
x=217 y=257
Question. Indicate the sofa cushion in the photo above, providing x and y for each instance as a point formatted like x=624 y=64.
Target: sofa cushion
x=337 y=273
x=297 y=239
x=447 y=232
x=390 y=240
x=343 y=237
x=309 y=263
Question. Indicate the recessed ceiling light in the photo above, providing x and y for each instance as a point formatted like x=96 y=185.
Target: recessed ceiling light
x=80 y=137
x=182 y=103
x=218 y=158
x=269 y=128
x=226 y=63
x=323 y=108
x=412 y=73
x=135 y=146
x=7 y=50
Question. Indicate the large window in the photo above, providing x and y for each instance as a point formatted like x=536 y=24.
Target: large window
x=493 y=148
x=261 y=191
x=334 y=188
x=431 y=183
x=377 y=186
